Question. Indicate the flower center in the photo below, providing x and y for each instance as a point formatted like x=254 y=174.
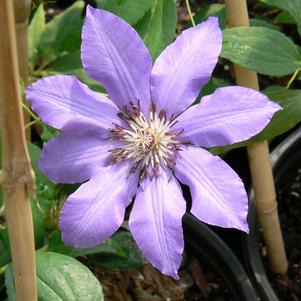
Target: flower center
x=149 y=143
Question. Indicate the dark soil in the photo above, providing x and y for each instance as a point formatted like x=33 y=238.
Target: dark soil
x=288 y=288
x=197 y=283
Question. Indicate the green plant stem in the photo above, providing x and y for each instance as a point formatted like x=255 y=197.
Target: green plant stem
x=189 y=12
x=293 y=78
x=30 y=124
x=35 y=117
x=2 y=210
x=3 y=269
x=39 y=206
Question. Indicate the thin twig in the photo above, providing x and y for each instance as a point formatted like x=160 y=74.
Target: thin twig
x=2 y=210
x=293 y=78
x=189 y=12
x=28 y=125
x=34 y=116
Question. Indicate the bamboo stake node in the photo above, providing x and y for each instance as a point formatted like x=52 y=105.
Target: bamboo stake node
x=266 y=211
x=19 y=173
x=21 y=25
x=259 y=161
x=22 y=10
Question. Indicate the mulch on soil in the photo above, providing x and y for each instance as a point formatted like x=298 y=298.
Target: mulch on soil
x=197 y=283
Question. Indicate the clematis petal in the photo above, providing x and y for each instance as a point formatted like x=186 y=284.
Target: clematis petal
x=218 y=194
x=229 y=115
x=62 y=100
x=96 y=210
x=74 y=159
x=113 y=54
x=185 y=66
x=156 y=223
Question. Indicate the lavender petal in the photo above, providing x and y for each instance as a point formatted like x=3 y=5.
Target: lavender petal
x=75 y=159
x=113 y=54
x=185 y=67
x=218 y=194
x=229 y=115
x=96 y=210
x=156 y=223
x=62 y=100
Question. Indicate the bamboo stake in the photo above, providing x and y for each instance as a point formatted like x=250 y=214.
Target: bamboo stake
x=17 y=175
x=22 y=11
x=259 y=160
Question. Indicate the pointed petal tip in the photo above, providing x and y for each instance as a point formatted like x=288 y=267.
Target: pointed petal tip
x=212 y=23
x=276 y=107
x=172 y=274
x=213 y=20
x=90 y=10
x=246 y=229
x=242 y=226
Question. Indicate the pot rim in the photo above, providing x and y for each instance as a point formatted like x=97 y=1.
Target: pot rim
x=220 y=257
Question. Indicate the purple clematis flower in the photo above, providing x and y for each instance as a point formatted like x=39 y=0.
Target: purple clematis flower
x=146 y=138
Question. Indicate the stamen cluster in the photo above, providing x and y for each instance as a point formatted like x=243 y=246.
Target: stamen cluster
x=149 y=142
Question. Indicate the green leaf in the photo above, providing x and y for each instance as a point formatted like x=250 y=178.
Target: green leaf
x=71 y=64
x=284 y=17
x=57 y=245
x=63 y=278
x=48 y=132
x=35 y=153
x=45 y=188
x=291 y=6
x=66 y=63
x=158 y=27
x=262 y=23
x=4 y=248
x=218 y=10
x=212 y=85
x=130 y=10
x=60 y=278
x=46 y=194
x=299 y=29
x=35 y=31
x=62 y=34
x=118 y=252
x=263 y=50
x=283 y=120
x=9 y=283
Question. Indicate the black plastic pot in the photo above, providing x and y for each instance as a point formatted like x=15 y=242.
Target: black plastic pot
x=284 y=157
x=218 y=255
